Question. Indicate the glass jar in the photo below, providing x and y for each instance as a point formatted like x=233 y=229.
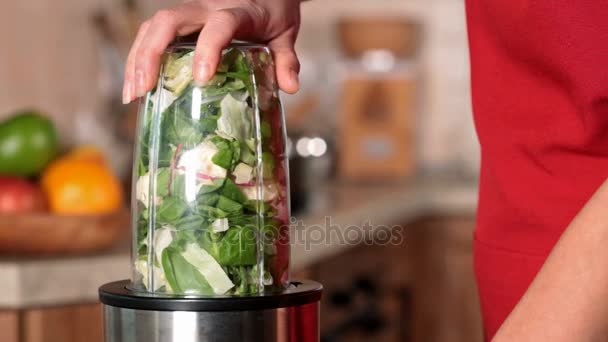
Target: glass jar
x=210 y=204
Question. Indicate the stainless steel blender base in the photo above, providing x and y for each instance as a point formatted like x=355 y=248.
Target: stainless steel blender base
x=289 y=316
x=283 y=324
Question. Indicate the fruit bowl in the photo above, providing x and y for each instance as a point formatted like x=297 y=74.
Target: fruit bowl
x=37 y=234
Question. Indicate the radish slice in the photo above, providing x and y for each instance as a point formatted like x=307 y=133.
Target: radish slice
x=252 y=183
x=207 y=177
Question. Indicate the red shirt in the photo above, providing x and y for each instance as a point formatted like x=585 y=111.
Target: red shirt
x=540 y=98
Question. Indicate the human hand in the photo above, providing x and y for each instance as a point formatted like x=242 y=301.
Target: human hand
x=274 y=22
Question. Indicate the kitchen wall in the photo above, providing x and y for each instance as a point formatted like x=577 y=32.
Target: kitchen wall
x=446 y=133
x=51 y=58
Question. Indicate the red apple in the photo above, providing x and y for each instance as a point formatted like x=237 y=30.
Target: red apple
x=18 y=195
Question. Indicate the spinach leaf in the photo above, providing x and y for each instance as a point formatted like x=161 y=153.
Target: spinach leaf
x=266 y=130
x=170 y=210
x=177 y=125
x=180 y=130
x=255 y=205
x=209 y=199
x=268 y=164
x=208 y=124
x=210 y=242
x=236 y=153
x=210 y=213
x=247 y=156
x=244 y=220
x=207 y=188
x=181 y=275
x=163 y=176
x=178 y=185
x=238 y=247
x=141 y=167
x=165 y=155
x=240 y=276
x=209 y=116
x=191 y=222
x=229 y=58
x=223 y=158
x=229 y=152
x=184 y=237
x=232 y=85
x=232 y=191
x=239 y=69
x=226 y=204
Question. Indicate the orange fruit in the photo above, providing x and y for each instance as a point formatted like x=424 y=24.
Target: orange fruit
x=87 y=152
x=81 y=187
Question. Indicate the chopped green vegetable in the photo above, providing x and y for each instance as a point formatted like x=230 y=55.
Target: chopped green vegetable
x=207 y=218
x=266 y=130
x=268 y=164
x=182 y=276
x=209 y=188
x=178 y=73
x=238 y=247
x=228 y=205
x=208 y=267
x=233 y=192
x=170 y=210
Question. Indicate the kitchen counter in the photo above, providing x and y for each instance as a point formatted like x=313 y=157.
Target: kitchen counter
x=351 y=210
x=57 y=281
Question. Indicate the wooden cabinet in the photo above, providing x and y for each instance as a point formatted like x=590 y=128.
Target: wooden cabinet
x=446 y=304
x=75 y=323
x=9 y=326
x=424 y=288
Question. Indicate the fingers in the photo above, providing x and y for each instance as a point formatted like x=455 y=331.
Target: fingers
x=286 y=62
x=217 y=33
x=220 y=26
x=152 y=39
x=161 y=32
x=128 y=90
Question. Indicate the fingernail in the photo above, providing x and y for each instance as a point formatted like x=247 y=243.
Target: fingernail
x=140 y=89
x=127 y=93
x=202 y=72
x=294 y=79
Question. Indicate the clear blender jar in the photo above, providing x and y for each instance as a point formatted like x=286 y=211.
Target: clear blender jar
x=210 y=205
x=210 y=212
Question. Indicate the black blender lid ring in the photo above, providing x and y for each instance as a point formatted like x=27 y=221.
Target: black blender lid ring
x=299 y=293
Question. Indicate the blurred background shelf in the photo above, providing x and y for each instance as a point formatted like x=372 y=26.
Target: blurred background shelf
x=29 y=282
x=34 y=286
x=45 y=234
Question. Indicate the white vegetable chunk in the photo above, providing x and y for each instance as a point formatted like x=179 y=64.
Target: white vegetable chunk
x=142 y=188
x=159 y=276
x=270 y=191
x=162 y=239
x=198 y=161
x=162 y=99
x=220 y=225
x=243 y=173
x=235 y=121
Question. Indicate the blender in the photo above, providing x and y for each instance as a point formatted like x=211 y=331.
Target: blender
x=211 y=211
